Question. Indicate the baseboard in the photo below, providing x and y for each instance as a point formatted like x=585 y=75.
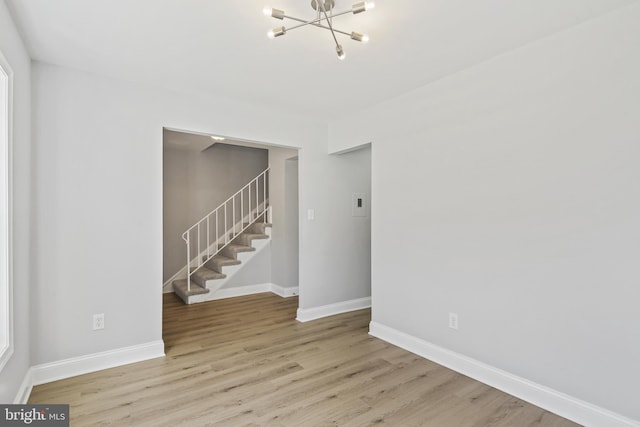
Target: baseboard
x=554 y=401
x=307 y=314
x=22 y=397
x=67 y=368
x=241 y=291
x=283 y=292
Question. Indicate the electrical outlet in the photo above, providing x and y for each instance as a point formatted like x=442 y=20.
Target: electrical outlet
x=453 y=321
x=98 y=321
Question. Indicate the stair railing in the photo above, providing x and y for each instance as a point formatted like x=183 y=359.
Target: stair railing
x=207 y=237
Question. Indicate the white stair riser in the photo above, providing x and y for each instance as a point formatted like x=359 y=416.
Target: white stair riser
x=254 y=228
x=230 y=270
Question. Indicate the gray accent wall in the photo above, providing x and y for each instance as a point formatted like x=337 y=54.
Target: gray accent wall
x=291 y=277
x=284 y=241
x=278 y=262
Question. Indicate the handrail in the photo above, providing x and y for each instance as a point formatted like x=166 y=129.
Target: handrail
x=221 y=213
x=230 y=198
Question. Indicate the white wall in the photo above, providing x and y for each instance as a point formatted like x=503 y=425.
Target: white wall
x=335 y=247
x=195 y=183
x=255 y=271
x=13 y=50
x=98 y=154
x=518 y=182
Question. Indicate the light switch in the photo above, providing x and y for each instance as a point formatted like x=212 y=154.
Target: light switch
x=359 y=204
x=311 y=214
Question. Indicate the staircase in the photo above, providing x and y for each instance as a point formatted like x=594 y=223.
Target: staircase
x=223 y=241
x=214 y=273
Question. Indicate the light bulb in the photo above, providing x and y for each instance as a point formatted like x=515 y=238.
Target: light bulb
x=340 y=52
x=359 y=37
x=275 y=13
x=358 y=8
x=363 y=6
x=276 y=32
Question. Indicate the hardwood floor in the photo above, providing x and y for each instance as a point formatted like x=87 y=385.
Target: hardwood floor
x=247 y=361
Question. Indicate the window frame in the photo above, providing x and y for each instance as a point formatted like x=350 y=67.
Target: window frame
x=6 y=204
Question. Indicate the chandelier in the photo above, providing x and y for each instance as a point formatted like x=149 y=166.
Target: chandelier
x=324 y=15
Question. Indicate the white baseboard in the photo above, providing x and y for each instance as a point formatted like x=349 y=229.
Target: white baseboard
x=241 y=291
x=307 y=314
x=554 y=401
x=68 y=368
x=48 y=372
x=22 y=397
x=291 y=291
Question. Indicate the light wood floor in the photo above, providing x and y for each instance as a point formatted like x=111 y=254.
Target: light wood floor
x=247 y=361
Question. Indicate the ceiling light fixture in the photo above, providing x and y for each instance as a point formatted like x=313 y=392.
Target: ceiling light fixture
x=324 y=19
x=217 y=138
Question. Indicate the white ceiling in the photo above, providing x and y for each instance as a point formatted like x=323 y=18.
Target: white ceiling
x=219 y=47
x=193 y=141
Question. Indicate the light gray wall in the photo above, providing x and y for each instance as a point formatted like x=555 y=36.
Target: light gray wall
x=175 y=209
x=276 y=263
x=518 y=182
x=256 y=271
x=15 y=53
x=291 y=212
x=195 y=183
x=98 y=170
x=284 y=236
x=337 y=266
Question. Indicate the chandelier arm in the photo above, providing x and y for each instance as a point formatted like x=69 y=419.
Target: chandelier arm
x=329 y=23
x=330 y=20
x=299 y=26
x=313 y=21
x=319 y=26
x=335 y=29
